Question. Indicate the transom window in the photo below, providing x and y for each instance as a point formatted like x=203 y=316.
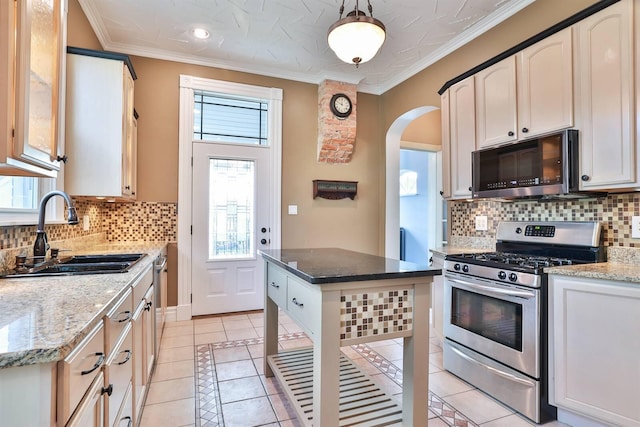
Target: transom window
x=224 y=119
x=18 y=193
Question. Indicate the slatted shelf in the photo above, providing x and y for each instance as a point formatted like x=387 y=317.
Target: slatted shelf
x=362 y=402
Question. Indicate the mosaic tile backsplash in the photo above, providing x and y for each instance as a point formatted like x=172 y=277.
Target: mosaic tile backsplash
x=614 y=212
x=139 y=221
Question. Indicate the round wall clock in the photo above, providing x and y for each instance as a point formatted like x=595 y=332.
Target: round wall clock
x=340 y=105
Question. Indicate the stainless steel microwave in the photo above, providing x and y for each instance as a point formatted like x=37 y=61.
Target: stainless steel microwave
x=546 y=165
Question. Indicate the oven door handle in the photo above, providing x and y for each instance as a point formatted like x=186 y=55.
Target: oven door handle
x=498 y=372
x=493 y=290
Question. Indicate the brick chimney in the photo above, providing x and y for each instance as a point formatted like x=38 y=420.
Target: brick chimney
x=336 y=137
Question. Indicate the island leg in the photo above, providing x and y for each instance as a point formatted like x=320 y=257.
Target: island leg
x=326 y=363
x=270 y=332
x=415 y=377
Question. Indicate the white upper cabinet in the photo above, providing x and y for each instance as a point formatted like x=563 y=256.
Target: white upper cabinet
x=528 y=94
x=545 y=85
x=605 y=99
x=496 y=112
x=459 y=139
x=100 y=126
x=32 y=39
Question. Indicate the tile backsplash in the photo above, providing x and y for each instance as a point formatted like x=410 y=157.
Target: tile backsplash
x=613 y=211
x=138 y=221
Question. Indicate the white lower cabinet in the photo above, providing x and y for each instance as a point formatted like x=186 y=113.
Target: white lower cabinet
x=594 y=346
x=118 y=376
x=437 y=298
x=90 y=412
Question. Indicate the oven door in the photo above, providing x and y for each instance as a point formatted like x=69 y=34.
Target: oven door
x=498 y=320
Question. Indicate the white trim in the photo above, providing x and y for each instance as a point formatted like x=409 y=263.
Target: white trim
x=185 y=152
x=392 y=171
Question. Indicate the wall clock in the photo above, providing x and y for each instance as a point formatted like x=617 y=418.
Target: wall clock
x=340 y=105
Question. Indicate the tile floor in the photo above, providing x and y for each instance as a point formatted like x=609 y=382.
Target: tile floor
x=209 y=373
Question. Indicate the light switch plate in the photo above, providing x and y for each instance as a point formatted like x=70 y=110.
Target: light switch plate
x=635 y=227
x=293 y=209
x=481 y=223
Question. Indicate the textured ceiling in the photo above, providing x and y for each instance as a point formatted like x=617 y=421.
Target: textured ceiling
x=288 y=38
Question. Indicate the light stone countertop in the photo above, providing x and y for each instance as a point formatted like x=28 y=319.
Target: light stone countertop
x=43 y=318
x=452 y=250
x=603 y=270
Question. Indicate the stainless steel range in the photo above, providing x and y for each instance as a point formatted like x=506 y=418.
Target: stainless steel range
x=495 y=315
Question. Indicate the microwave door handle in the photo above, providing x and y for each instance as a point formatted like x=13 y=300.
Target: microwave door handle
x=493 y=290
x=498 y=372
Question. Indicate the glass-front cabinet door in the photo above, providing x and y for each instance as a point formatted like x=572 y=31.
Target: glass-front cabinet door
x=31 y=105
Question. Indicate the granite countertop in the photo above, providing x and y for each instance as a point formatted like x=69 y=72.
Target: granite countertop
x=452 y=250
x=333 y=265
x=43 y=318
x=603 y=270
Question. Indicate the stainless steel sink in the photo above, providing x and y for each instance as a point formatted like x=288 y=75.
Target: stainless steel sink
x=79 y=264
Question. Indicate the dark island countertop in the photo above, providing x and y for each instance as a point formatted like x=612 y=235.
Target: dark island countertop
x=333 y=265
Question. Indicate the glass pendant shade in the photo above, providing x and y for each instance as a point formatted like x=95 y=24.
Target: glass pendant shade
x=356 y=39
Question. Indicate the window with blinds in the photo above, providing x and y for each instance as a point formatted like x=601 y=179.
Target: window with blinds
x=224 y=119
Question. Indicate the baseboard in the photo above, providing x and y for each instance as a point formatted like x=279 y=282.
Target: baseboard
x=183 y=312
x=171 y=314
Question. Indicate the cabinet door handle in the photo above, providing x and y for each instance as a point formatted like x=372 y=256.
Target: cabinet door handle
x=147 y=307
x=108 y=390
x=525 y=130
x=126 y=419
x=510 y=133
x=127 y=317
x=126 y=359
x=585 y=177
x=299 y=304
x=96 y=366
x=62 y=158
x=273 y=284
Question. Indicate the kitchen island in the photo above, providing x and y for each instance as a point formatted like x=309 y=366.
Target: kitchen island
x=341 y=298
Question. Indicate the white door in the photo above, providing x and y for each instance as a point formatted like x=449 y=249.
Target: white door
x=230 y=211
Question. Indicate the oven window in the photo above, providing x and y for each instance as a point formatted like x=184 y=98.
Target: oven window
x=492 y=318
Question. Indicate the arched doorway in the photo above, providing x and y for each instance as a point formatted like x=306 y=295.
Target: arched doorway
x=392 y=199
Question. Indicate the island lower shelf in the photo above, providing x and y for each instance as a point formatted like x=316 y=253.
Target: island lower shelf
x=361 y=401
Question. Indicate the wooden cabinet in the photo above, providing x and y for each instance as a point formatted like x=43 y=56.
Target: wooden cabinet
x=605 y=98
x=496 y=111
x=32 y=37
x=545 y=85
x=594 y=345
x=90 y=412
x=101 y=130
x=458 y=138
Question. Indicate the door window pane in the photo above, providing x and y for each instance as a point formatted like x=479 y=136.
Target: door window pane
x=222 y=119
x=231 y=208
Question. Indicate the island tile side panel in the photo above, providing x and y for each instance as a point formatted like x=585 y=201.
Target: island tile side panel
x=375 y=313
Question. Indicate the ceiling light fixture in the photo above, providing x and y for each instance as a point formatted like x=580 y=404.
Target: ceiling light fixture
x=356 y=38
x=200 y=33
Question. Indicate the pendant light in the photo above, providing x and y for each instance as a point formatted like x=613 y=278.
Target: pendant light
x=356 y=38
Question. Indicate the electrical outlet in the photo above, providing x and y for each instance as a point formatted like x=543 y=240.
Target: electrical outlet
x=481 y=223
x=635 y=227
x=85 y=222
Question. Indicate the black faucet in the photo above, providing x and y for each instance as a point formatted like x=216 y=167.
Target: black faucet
x=41 y=246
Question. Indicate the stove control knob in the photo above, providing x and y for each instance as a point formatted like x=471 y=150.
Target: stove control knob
x=513 y=277
x=465 y=268
x=502 y=275
x=456 y=267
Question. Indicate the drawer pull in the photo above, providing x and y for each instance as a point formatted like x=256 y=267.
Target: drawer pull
x=299 y=304
x=129 y=353
x=108 y=390
x=96 y=366
x=127 y=419
x=148 y=306
x=127 y=317
x=274 y=285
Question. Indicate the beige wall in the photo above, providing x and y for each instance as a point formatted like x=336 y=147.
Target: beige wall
x=357 y=224
x=426 y=129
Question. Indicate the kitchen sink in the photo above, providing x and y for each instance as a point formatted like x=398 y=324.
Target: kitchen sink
x=79 y=264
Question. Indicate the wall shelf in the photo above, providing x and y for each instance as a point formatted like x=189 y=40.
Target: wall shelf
x=334 y=190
